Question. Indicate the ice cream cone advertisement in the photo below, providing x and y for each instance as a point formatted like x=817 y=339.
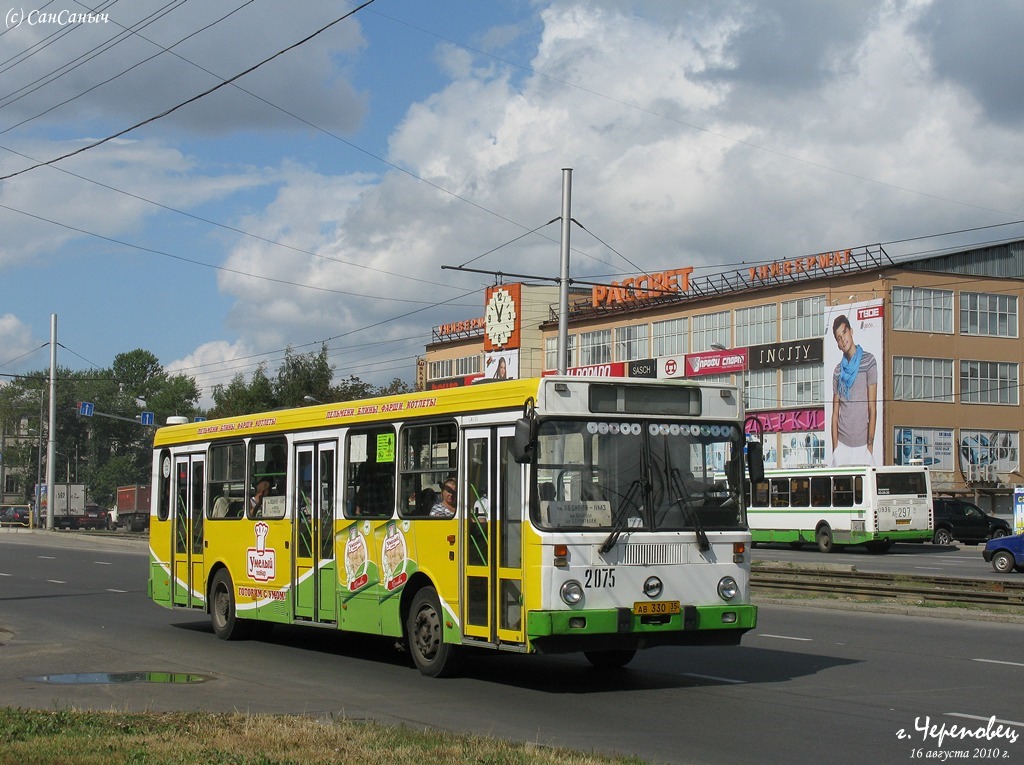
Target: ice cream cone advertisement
x=395 y=563
x=359 y=572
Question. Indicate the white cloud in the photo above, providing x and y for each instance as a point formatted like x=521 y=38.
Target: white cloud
x=700 y=133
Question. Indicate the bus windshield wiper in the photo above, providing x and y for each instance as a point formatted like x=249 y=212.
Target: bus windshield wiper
x=623 y=519
x=684 y=500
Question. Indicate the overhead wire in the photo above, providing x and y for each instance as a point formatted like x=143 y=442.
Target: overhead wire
x=188 y=101
x=356 y=9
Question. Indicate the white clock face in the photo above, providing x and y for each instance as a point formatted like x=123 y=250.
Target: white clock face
x=500 y=317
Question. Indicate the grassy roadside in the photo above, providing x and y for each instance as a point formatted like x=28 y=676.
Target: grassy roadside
x=33 y=737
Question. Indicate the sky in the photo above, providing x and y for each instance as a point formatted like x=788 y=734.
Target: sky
x=217 y=182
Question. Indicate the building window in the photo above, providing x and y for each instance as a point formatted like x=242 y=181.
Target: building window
x=916 y=379
x=989 y=315
x=988 y=382
x=595 y=347
x=924 y=446
x=439 y=370
x=551 y=352
x=801 y=386
x=802 y=449
x=467 y=365
x=670 y=337
x=762 y=389
x=984 y=454
x=917 y=309
x=631 y=342
x=711 y=329
x=804 y=318
x=756 y=325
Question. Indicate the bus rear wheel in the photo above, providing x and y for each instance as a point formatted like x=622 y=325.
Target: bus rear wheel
x=824 y=539
x=226 y=625
x=424 y=633
x=610 y=659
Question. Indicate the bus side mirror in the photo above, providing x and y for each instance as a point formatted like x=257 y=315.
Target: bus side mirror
x=524 y=443
x=755 y=461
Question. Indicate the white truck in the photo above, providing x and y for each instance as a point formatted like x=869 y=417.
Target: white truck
x=67 y=505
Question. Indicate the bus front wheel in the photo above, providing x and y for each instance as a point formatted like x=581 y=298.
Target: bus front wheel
x=425 y=634
x=824 y=539
x=226 y=625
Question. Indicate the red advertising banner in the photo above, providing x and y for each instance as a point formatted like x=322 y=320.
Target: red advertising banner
x=716 y=362
x=614 y=369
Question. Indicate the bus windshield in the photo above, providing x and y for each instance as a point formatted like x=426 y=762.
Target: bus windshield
x=638 y=476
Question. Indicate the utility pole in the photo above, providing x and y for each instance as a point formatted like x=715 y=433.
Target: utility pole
x=563 y=282
x=51 y=446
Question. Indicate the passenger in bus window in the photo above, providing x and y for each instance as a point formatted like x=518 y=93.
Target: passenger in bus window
x=445 y=506
x=854 y=393
x=262 y=490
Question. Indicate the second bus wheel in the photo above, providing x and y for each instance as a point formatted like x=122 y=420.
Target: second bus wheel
x=424 y=632
x=824 y=539
x=226 y=625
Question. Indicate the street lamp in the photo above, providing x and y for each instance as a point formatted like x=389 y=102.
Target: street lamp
x=311 y=400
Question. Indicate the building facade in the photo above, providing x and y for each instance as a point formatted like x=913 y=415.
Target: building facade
x=844 y=357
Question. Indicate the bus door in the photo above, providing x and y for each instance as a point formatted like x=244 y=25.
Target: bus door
x=314 y=575
x=491 y=502
x=189 y=503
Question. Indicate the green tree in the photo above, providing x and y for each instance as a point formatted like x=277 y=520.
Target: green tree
x=111 y=448
x=240 y=397
x=301 y=375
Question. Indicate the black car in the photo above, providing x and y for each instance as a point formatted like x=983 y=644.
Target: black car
x=14 y=516
x=956 y=519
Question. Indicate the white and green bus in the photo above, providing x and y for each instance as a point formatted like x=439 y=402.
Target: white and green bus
x=832 y=507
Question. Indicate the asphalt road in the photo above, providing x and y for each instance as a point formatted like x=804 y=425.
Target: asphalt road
x=810 y=685
x=918 y=559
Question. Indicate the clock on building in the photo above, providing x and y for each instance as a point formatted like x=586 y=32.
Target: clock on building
x=500 y=317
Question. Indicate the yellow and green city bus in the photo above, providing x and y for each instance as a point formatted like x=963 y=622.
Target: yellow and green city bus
x=587 y=519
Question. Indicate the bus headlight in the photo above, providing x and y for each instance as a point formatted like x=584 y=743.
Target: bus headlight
x=727 y=588
x=571 y=592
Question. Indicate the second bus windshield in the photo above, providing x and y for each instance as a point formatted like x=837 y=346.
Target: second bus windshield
x=641 y=475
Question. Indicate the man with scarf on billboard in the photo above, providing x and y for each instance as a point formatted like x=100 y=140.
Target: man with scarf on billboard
x=854 y=389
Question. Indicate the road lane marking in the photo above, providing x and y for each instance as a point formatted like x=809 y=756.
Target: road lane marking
x=56 y=581
x=110 y=590
x=783 y=637
x=984 y=719
x=996 y=661
x=714 y=678
x=103 y=563
x=46 y=557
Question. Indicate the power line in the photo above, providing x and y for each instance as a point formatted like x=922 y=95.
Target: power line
x=191 y=100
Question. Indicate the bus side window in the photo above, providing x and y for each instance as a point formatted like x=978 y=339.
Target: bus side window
x=759 y=495
x=842 y=491
x=226 y=480
x=800 y=492
x=821 y=491
x=780 y=492
x=370 y=473
x=429 y=455
x=268 y=464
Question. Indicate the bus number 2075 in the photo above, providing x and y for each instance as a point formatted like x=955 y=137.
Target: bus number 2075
x=599 y=577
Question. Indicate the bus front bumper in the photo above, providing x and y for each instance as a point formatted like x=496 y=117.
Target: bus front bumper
x=618 y=628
